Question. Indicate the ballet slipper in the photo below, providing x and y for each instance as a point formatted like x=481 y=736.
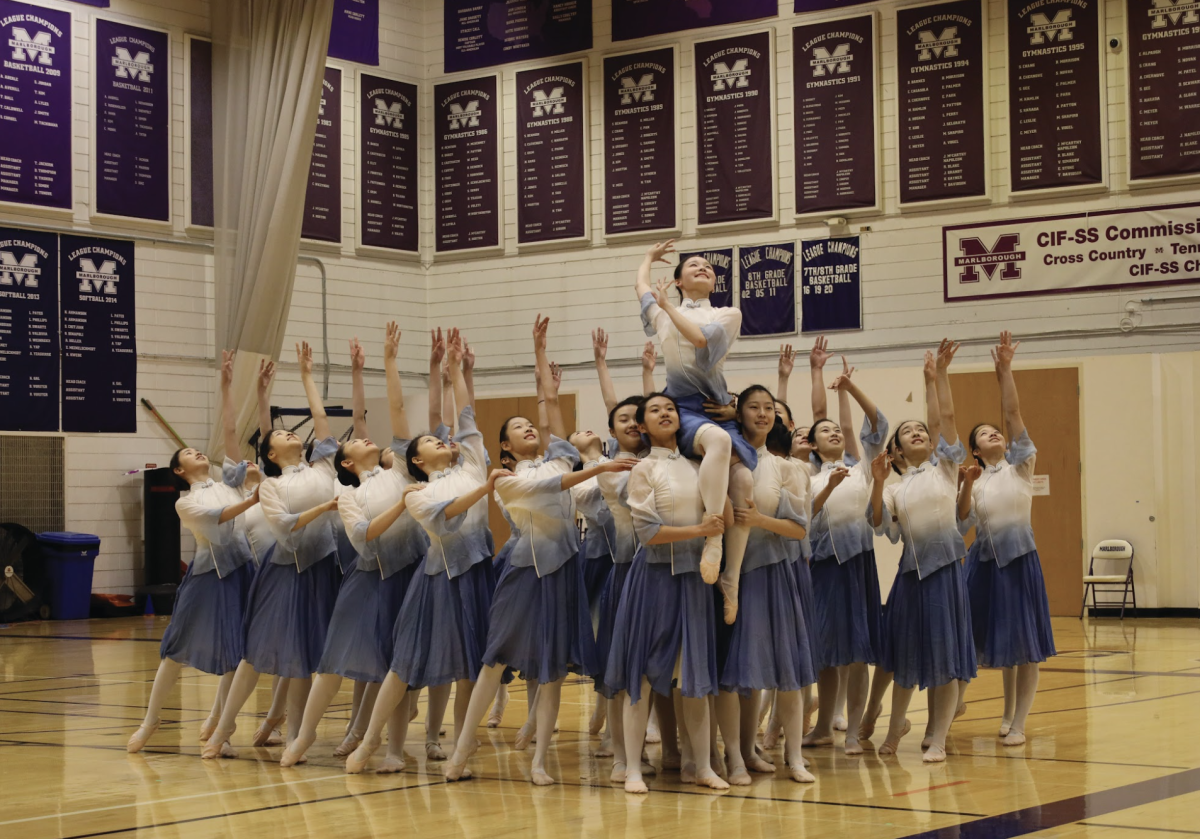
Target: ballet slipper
x=390 y=765
x=773 y=735
x=358 y=759
x=228 y=752
x=867 y=727
x=1005 y=727
x=433 y=751
x=839 y=723
x=711 y=780
x=137 y=740
x=275 y=738
x=496 y=716
x=636 y=786
x=604 y=749
x=710 y=560
x=291 y=757
x=1014 y=738
x=541 y=778
x=265 y=730
x=454 y=771
x=653 y=735
x=853 y=747
x=762 y=755
x=739 y=777
x=813 y=739
x=687 y=773
x=757 y=764
x=207 y=728
x=525 y=736
x=212 y=749
x=935 y=754
x=348 y=745
x=730 y=592
x=889 y=746
x=618 y=774
x=801 y=775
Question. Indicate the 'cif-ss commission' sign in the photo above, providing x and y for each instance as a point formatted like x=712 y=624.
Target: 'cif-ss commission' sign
x=1072 y=253
x=551 y=166
x=940 y=65
x=639 y=142
x=1054 y=73
x=1164 y=88
x=735 y=133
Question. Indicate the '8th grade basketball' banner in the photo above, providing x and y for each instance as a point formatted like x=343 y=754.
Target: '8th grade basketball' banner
x=767 y=290
x=1072 y=253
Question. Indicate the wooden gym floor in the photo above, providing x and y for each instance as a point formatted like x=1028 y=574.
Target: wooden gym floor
x=1114 y=750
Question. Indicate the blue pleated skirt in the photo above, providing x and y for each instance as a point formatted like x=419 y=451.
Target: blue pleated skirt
x=663 y=619
x=206 y=624
x=288 y=615
x=442 y=629
x=595 y=574
x=358 y=644
x=769 y=646
x=927 y=629
x=499 y=566
x=610 y=602
x=692 y=418
x=802 y=570
x=541 y=626
x=848 y=622
x=1010 y=615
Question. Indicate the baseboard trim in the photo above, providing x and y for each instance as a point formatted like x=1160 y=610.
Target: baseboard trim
x=1167 y=612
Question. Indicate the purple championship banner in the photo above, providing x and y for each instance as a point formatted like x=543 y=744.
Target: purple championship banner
x=100 y=4
x=466 y=154
x=551 y=165
x=942 y=118
x=640 y=18
x=721 y=261
x=639 y=142
x=833 y=81
x=767 y=290
x=99 y=341
x=735 y=132
x=354 y=33
x=1054 y=72
x=1164 y=41
x=830 y=284
x=28 y=330
x=485 y=33
x=133 y=121
x=35 y=107
x=323 y=198
x=1068 y=254
x=200 y=132
x=387 y=176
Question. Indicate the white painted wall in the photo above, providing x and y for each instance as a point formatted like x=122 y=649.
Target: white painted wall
x=1139 y=388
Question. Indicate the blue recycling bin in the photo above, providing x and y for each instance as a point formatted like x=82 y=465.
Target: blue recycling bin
x=70 y=559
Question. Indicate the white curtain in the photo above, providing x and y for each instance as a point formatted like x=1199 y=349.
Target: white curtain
x=268 y=64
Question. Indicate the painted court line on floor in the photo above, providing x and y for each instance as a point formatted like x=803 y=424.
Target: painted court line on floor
x=928 y=789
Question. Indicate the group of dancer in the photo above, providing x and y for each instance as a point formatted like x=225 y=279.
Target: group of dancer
x=727 y=564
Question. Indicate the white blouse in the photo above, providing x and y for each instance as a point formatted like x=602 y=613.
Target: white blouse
x=285 y=497
x=922 y=509
x=840 y=530
x=615 y=488
x=692 y=369
x=379 y=489
x=589 y=502
x=1002 y=505
x=222 y=547
x=780 y=491
x=664 y=489
x=455 y=544
x=542 y=510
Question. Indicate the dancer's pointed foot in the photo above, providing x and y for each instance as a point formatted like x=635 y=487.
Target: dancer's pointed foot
x=266 y=728
x=711 y=780
x=212 y=749
x=739 y=777
x=390 y=765
x=1014 y=738
x=839 y=723
x=801 y=775
x=524 y=737
x=207 y=728
x=351 y=742
x=541 y=778
x=710 y=559
x=496 y=716
x=433 y=751
x=137 y=740
x=358 y=759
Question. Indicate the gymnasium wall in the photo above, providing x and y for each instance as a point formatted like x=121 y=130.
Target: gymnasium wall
x=1138 y=382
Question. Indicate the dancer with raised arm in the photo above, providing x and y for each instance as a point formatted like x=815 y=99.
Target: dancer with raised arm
x=927 y=627
x=539 y=622
x=206 y=624
x=1009 y=609
x=389 y=547
x=442 y=628
x=290 y=602
x=695 y=338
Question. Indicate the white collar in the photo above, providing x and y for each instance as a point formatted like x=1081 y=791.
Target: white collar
x=830 y=465
x=704 y=303
x=917 y=470
x=291 y=470
x=526 y=465
x=762 y=450
x=438 y=475
x=369 y=473
x=660 y=451
x=202 y=484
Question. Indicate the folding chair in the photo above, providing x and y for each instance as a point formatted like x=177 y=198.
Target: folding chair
x=1110 y=550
